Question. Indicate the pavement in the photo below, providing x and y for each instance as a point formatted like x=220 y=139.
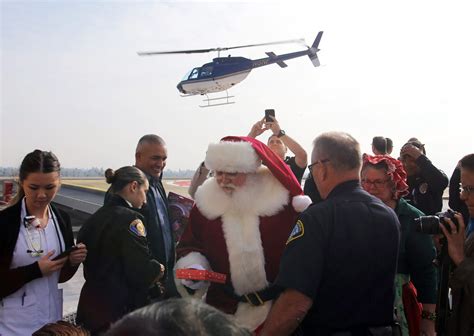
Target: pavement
x=71 y=292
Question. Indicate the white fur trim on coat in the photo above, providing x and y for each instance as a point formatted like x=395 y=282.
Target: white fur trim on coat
x=262 y=195
x=252 y=317
x=186 y=261
x=232 y=157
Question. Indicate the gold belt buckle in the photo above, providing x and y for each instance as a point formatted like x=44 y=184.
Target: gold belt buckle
x=260 y=301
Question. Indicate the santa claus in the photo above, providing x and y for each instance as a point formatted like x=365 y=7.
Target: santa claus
x=239 y=225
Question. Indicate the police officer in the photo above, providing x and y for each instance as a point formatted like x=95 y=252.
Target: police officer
x=119 y=270
x=339 y=265
x=426 y=183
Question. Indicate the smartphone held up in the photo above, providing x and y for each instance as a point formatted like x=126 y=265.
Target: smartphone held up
x=269 y=115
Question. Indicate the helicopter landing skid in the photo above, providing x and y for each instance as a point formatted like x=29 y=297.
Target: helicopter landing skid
x=210 y=100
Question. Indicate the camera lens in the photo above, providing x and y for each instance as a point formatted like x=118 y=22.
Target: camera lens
x=428 y=224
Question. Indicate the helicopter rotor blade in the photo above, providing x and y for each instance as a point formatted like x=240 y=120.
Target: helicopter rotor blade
x=301 y=41
x=196 y=51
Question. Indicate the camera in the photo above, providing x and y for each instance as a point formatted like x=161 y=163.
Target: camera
x=432 y=224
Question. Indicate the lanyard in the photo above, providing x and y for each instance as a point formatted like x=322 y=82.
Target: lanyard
x=33 y=234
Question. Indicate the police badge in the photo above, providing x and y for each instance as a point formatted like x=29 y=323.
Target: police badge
x=423 y=188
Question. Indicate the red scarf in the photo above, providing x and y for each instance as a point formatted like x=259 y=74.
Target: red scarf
x=395 y=171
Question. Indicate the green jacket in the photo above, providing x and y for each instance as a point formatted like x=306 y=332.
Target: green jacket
x=416 y=253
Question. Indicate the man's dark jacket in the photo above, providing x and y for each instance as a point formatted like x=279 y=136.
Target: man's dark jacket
x=426 y=188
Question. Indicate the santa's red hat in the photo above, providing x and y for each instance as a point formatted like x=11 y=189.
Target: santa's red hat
x=239 y=154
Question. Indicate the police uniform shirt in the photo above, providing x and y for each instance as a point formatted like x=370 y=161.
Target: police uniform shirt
x=342 y=253
x=297 y=170
x=427 y=187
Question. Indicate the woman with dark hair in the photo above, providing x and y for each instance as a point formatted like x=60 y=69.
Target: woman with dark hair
x=32 y=233
x=389 y=143
x=382 y=145
x=120 y=273
x=384 y=177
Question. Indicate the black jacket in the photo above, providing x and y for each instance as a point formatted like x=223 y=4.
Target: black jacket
x=119 y=269
x=455 y=201
x=13 y=279
x=427 y=187
x=155 y=234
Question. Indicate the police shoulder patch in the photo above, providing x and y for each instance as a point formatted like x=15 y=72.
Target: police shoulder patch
x=297 y=232
x=137 y=227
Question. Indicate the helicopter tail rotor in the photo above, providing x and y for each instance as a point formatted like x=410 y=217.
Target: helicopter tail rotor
x=313 y=51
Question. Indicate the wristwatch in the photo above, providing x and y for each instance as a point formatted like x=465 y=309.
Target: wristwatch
x=281 y=133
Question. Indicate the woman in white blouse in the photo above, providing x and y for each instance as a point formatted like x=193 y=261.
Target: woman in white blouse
x=32 y=233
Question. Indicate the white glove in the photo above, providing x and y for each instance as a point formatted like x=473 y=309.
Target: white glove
x=195 y=284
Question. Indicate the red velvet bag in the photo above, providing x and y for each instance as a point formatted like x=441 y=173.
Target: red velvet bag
x=412 y=308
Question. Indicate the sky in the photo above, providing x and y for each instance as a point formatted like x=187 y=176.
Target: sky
x=71 y=80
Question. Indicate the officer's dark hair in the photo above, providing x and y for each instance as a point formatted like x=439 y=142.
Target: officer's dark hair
x=467 y=162
x=380 y=145
x=38 y=161
x=275 y=136
x=340 y=148
x=150 y=139
x=417 y=143
x=123 y=176
x=177 y=317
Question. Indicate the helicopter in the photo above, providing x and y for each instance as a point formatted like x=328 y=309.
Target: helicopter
x=225 y=72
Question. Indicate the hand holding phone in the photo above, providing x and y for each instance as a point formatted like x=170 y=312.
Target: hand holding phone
x=65 y=253
x=269 y=115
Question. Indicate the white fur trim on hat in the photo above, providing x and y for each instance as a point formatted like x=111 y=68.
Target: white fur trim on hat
x=232 y=157
x=301 y=202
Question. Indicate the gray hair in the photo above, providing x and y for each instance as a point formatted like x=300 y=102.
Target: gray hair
x=340 y=148
x=177 y=317
x=150 y=139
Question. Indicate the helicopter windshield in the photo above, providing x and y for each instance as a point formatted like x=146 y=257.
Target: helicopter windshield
x=192 y=74
x=185 y=77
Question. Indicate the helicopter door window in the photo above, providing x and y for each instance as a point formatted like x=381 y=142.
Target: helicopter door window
x=194 y=73
x=206 y=71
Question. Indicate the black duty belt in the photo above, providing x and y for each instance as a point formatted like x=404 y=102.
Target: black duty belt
x=355 y=331
x=255 y=298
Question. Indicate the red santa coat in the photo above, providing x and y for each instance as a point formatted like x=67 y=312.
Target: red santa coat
x=242 y=235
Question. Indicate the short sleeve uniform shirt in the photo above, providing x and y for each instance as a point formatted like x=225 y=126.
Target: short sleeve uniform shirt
x=342 y=253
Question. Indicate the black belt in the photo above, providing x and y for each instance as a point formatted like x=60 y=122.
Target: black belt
x=257 y=298
x=356 y=331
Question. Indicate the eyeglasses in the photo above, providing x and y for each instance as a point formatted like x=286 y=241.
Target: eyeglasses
x=466 y=189
x=317 y=162
x=375 y=183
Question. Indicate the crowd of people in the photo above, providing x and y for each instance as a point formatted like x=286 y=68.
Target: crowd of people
x=344 y=256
